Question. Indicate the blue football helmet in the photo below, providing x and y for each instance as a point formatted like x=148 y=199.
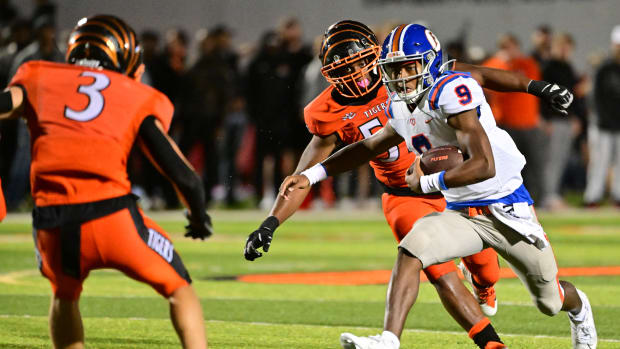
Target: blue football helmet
x=406 y=44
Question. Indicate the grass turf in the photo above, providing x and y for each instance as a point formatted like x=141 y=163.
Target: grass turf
x=121 y=313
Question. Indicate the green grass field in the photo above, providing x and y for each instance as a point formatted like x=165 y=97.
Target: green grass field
x=121 y=313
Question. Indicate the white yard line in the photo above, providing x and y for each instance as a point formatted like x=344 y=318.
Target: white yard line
x=409 y=330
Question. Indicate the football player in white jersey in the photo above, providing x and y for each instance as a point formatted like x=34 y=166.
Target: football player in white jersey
x=487 y=204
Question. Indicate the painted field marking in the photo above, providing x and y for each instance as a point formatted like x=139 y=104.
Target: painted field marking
x=408 y=330
x=374 y=277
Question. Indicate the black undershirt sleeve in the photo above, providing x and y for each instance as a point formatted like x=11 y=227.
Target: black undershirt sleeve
x=6 y=102
x=178 y=172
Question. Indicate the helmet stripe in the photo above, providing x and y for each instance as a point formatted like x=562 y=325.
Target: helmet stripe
x=125 y=42
x=396 y=38
x=402 y=37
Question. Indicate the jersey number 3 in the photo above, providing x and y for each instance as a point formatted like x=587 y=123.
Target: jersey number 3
x=95 y=98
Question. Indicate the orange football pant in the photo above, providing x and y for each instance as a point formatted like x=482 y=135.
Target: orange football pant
x=401 y=212
x=133 y=244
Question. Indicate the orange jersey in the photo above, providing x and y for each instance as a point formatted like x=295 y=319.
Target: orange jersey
x=324 y=116
x=83 y=123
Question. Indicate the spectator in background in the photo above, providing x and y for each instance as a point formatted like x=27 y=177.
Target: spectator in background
x=541 y=39
x=168 y=69
x=266 y=83
x=212 y=82
x=149 y=40
x=143 y=176
x=604 y=132
x=167 y=73
x=7 y=14
x=19 y=37
x=296 y=55
x=273 y=93
x=43 y=48
x=519 y=113
x=456 y=50
x=561 y=130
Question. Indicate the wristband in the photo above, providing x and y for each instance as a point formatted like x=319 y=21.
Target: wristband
x=432 y=183
x=315 y=173
x=270 y=223
x=442 y=182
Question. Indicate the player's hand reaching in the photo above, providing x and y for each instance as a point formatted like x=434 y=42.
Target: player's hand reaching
x=558 y=97
x=260 y=238
x=198 y=228
x=293 y=182
x=412 y=177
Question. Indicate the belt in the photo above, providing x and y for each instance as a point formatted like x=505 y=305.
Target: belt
x=474 y=211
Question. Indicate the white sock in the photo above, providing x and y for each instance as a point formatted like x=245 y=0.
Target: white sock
x=391 y=338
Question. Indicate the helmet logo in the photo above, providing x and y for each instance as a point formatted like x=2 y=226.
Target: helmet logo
x=432 y=39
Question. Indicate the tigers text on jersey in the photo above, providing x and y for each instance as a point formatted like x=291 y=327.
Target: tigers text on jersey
x=325 y=116
x=427 y=127
x=83 y=123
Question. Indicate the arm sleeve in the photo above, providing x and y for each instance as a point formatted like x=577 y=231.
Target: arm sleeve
x=172 y=165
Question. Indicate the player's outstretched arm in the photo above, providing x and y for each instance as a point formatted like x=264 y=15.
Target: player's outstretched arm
x=558 y=97
x=347 y=158
x=161 y=150
x=11 y=100
x=317 y=150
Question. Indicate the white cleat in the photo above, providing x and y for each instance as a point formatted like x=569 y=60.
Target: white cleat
x=583 y=333
x=485 y=296
x=351 y=341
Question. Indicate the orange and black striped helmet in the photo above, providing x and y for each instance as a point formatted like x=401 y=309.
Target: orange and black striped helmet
x=349 y=55
x=105 y=41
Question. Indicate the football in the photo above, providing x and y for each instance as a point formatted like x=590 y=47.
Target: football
x=440 y=159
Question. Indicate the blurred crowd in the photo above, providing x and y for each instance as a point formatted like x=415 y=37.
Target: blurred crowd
x=239 y=111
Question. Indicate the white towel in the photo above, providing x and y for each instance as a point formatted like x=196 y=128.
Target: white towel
x=519 y=216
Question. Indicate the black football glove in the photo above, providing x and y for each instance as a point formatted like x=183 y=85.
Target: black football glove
x=198 y=228
x=260 y=238
x=558 y=97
